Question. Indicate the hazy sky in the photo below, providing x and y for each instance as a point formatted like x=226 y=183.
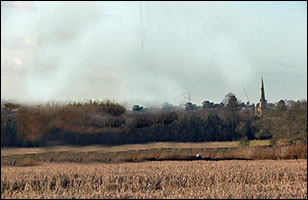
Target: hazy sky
x=153 y=52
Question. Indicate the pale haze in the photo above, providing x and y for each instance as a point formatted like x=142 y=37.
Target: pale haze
x=153 y=52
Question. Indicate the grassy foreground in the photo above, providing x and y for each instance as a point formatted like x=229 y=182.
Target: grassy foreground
x=256 y=150
x=260 y=179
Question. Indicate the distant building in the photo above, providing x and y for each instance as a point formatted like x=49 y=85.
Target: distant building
x=262 y=105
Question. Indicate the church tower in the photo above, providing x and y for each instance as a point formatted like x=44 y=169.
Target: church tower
x=262 y=105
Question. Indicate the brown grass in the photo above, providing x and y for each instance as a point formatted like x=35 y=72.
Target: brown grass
x=145 y=152
x=277 y=152
x=166 y=179
x=128 y=147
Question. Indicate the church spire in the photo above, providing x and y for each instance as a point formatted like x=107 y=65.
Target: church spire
x=262 y=95
x=262 y=105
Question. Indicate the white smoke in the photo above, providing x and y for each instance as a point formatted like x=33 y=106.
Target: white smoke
x=77 y=50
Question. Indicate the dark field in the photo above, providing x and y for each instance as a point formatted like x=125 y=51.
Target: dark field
x=256 y=150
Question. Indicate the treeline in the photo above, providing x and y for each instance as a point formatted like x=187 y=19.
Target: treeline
x=109 y=123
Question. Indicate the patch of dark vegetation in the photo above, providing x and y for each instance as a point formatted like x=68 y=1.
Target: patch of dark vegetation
x=108 y=123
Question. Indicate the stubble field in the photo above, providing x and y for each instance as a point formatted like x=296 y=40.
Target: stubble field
x=158 y=179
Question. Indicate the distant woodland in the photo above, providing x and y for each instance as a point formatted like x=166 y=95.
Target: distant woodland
x=109 y=123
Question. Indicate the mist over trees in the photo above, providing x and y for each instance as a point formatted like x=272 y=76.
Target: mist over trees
x=109 y=123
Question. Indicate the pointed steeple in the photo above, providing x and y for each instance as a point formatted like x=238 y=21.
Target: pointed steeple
x=262 y=95
x=262 y=105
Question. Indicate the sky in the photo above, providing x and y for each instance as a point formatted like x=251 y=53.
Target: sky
x=148 y=53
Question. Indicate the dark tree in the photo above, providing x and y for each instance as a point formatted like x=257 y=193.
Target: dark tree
x=190 y=106
x=207 y=104
x=232 y=106
x=281 y=105
x=137 y=108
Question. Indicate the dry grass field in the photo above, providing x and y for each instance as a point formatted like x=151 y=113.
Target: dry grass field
x=159 y=179
x=256 y=150
x=128 y=147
